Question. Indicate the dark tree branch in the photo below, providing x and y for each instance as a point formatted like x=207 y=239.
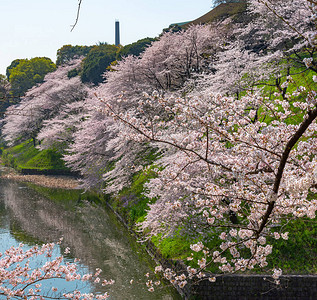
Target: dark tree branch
x=312 y=115
x=77 y=17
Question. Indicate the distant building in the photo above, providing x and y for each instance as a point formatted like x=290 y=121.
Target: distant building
x=117 y=33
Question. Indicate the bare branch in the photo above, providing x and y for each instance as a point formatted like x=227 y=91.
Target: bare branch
x=77 y=17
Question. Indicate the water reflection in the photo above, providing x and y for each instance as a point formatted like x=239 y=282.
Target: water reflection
x=93 y=235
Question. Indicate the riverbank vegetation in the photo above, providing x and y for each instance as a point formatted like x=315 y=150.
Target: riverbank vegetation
x=25 y=156
x=206 y=141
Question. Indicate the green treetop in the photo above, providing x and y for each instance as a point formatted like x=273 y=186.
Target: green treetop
x=25 y=73
x=97 y=61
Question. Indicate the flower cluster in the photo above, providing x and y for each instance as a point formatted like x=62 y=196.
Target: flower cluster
x=20 y=281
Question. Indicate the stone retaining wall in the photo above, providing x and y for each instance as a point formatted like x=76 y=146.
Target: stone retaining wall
x=251 y=287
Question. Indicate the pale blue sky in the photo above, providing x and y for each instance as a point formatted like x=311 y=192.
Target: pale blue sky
x=30 y=28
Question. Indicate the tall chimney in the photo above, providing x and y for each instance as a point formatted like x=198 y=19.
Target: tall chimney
x=117 y=33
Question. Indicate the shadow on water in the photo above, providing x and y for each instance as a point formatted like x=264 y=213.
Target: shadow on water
x=93 y=234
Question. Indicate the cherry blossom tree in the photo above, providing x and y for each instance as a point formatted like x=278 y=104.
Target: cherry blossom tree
x=89 y=154
x=43 y=102
x=285 y=26
x=167 y=64
x=277 y=41
x=101 y=152
x=58 y=133
x=19 y=280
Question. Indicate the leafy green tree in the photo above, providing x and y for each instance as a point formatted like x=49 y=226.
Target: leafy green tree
x=4 y=94
x=97 y=61
x=69 y=52
x=73 y=73
x=172 y=28
x=13 y=64
x=26 y=73
x=135 y=48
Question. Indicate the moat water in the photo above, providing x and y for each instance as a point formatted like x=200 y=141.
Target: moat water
x=93 y=234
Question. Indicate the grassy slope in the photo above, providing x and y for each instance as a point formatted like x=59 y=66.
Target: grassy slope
x=26 y=156
x=222 y=11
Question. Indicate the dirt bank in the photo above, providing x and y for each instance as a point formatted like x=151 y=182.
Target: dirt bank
x=51 y=181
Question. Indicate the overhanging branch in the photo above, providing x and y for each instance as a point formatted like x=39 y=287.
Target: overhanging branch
x=77 y=17
x=312 y=115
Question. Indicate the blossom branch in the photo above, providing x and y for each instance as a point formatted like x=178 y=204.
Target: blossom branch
x=289 y=146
